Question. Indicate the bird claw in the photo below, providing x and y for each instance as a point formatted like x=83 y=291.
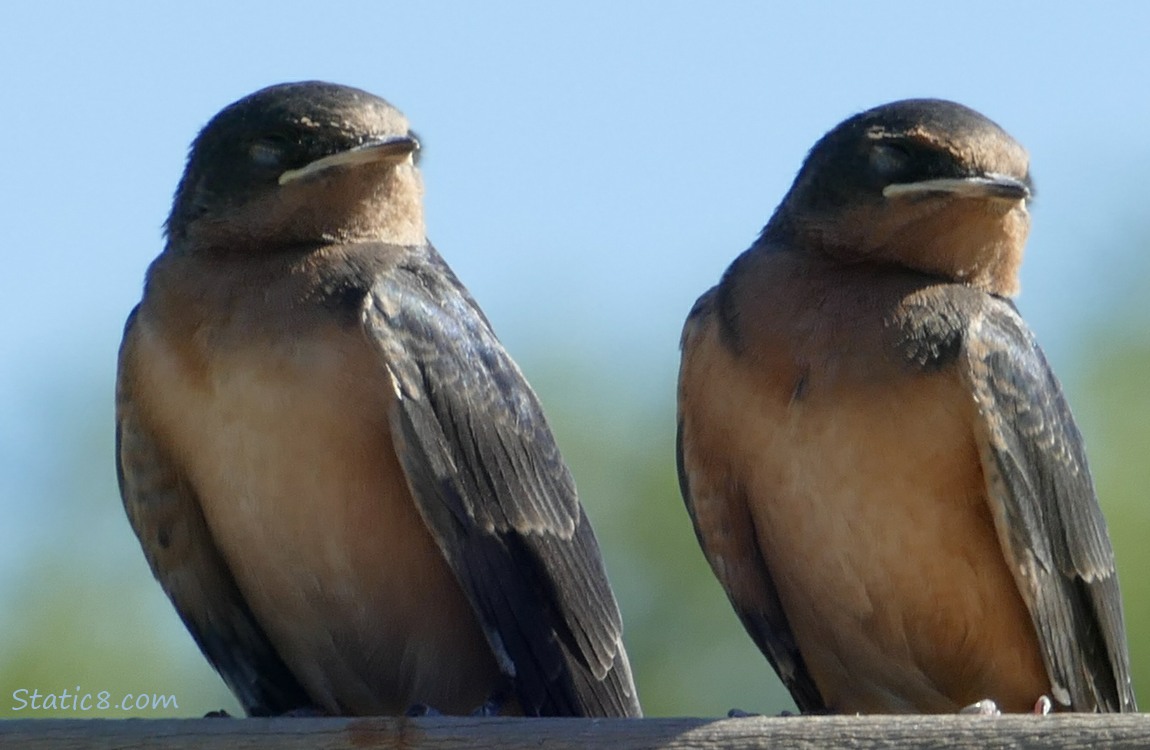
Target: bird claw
x=738 y=713
x=303 y=712
x=416 y=710
x=489 y=707
x=984 y=707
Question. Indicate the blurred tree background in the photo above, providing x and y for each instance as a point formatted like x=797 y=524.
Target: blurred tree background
x=86 y=614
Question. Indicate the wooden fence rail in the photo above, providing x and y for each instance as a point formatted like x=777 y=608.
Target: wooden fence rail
x=452 y=733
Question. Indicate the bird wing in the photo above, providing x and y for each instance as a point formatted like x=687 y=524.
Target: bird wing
x=718 y=505
x=166 y=516
x=1049 y=523
x=491 y=486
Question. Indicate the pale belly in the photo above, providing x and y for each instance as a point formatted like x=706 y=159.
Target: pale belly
x=289 y=451
x=872 y=513
x=865 y=492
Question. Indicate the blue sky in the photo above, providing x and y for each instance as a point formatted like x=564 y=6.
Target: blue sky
x=591 y=167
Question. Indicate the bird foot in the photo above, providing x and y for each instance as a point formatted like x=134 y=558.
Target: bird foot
x=984 y=707
x=490 y=707
x=420 y=709
x=738 y=713
x=303 y=712
x=221 y=714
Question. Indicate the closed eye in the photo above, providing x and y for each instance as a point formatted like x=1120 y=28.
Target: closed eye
x=889 y=159
x=269 y=150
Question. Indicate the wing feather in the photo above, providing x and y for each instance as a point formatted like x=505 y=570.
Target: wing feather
x=492 y=486
x=1046 y=511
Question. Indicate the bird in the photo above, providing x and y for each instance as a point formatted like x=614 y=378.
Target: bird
x=335 y=470
x=879 y=463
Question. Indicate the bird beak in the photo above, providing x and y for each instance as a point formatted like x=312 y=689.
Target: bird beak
x=389 y=151
x=992 y=186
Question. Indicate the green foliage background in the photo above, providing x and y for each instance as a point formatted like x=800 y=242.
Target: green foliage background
x=86 y=614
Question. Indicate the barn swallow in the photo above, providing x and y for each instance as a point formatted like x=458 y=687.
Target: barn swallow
x=879 y=463
x=336 y=472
